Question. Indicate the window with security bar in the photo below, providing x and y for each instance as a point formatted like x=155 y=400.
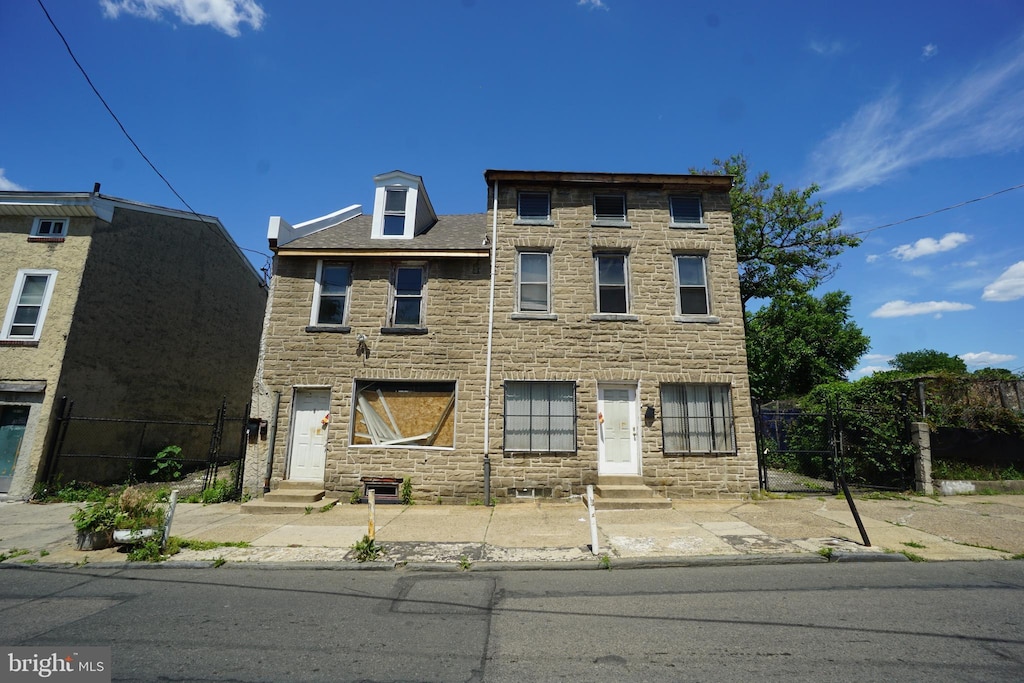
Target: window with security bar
x=697 y=418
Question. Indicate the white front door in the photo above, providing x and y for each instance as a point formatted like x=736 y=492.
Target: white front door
x=617 y=439
x=309 y=435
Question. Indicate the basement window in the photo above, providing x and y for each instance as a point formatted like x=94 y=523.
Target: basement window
x=404 y=414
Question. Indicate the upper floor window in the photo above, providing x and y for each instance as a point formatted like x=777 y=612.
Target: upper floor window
x=534 y=206
x=408 y=287
x=692 y=283
x=331 y=294
x=394 y=211
x=610 y=208
x=50 y=227
x=686 y=210
x=534 y=282
x=27 y=308
x=612 y=283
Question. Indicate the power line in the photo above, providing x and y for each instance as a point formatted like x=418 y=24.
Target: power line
x=123 y=130
x=932 y=213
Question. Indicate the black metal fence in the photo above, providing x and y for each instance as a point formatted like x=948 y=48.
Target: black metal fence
x=192 y=456
x=805 y=452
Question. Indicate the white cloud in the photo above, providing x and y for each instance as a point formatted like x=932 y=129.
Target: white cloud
x=592 y=4
x=872 y=258
x=980 y=112
x=927 y=246
x=929 y=51
x=7 y=185
x=986 y=358
x=223 y=15
x=901 y=309
x=1007 y=287
x=869 y=370
x=826 y=48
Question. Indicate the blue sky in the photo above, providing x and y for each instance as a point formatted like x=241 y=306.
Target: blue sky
x=254 y=108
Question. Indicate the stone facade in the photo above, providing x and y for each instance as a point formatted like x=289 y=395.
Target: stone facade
x=652 y=344
x=649 y=346
x=154 y=314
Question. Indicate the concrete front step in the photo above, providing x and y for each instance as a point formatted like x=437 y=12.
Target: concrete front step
x=294 y=496
x=623 y=492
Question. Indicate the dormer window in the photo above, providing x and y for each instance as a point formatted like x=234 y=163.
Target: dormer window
x=394 y=211
x=401 y=208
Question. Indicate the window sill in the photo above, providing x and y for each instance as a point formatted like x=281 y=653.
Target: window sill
x=403 y=330
x=534 y=316
x=534 y=221
x=689 y=226
x=344 y=329
x=611 y=224
x=519 y=454
x=45 y=239
x=19 y=342
x=706 y=319
x=614 y=317
x=702 y=454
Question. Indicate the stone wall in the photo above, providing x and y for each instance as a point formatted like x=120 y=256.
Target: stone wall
x=645 y=350
x=453 y=349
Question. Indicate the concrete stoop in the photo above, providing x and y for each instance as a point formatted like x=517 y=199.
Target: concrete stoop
x=289 y=498
x=627 y=493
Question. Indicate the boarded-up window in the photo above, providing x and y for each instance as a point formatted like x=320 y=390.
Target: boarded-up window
x=402 y=414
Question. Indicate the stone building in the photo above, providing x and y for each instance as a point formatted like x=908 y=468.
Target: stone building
x=587 y=329
x=129 y=310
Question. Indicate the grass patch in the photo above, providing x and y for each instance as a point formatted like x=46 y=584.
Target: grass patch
x=942 y=469
x=194 y=544
x=13 y=553
x=914 y=544
x=913 y=557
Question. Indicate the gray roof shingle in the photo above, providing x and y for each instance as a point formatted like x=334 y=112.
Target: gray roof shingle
x=463 y=232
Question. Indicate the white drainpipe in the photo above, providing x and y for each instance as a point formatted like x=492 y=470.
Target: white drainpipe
x=490 y=327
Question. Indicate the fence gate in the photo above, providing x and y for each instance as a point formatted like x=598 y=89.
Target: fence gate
x=797 y=451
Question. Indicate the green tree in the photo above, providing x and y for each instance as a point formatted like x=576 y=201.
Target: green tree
x=928 y=361
x=784 y=241
x=799 y=341
x=995 y=373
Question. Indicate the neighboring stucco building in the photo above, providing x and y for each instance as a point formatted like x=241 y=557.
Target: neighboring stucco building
x=130 y=310
x=593 y=318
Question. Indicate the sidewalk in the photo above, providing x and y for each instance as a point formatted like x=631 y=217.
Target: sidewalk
x=556 y=534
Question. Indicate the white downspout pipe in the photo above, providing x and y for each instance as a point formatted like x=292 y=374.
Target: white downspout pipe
x=490 y=328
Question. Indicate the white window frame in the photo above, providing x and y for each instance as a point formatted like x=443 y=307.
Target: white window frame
x=538 y=432
x=15 y=303
x=396 y=297
x=697 y=418
x=392 y=213
x=532 y=219
x=597 y=281
x=675 y=223
x=314 y=313
x=520 y=281
x=40 y=221
x=679 y=286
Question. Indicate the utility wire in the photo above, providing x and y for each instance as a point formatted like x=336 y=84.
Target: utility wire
x=932 y=213
x=121 y=126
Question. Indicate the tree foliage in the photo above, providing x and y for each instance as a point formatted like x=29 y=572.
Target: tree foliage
x=799 y=341
x=784 y=241
x=928 y=361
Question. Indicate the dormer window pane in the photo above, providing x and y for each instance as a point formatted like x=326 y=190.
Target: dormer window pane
x=610 y=207
x=534 y=206
x=394 y=212
x=394 y=201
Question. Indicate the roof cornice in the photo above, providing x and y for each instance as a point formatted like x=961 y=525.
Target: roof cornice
x=715 y=182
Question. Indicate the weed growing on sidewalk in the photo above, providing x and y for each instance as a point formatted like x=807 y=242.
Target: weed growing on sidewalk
x=464 y=563
x=913 y=557
x=329 y=506
x=605 y=562
x=219 y=562
x=913 y=544
x=368 y=549
x=826 y=552
x=13 y=553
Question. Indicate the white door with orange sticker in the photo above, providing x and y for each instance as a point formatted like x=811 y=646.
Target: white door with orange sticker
x=618 y=450
x=308 y=450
